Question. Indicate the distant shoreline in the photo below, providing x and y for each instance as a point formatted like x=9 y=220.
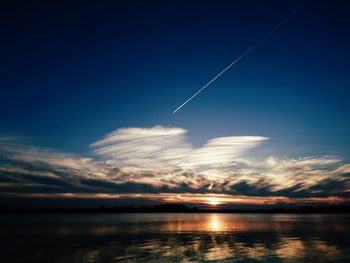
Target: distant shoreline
x=174 y=208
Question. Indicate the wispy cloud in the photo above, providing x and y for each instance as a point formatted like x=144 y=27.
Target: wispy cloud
x=160 y=160
x=168 y=147
x=153 y=147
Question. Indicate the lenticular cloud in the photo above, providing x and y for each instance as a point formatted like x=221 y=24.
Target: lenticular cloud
x=162 y=146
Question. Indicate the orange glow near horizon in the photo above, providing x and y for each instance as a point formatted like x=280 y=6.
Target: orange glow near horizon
x=214 y=201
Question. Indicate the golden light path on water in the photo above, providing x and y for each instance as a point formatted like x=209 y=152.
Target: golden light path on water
x=223 y=237
x=186 y=237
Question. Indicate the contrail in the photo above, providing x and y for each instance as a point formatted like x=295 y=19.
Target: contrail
x=242 y=56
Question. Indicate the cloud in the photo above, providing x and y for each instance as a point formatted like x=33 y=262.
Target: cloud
x=305 y=173
x=160 y=160
x=152 y=147
x=222 y=152
x=168 y=147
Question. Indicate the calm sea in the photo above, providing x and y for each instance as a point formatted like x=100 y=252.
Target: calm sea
x=175 y=238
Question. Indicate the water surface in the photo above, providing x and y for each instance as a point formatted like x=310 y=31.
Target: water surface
x=175 y=238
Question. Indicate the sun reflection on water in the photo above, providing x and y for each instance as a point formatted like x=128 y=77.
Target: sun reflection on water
x=215 y=223
x=211 y=237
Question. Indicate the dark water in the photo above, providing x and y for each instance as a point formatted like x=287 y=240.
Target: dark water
x=175 y=238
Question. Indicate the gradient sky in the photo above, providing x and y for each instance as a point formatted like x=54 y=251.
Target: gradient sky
x=77 y=74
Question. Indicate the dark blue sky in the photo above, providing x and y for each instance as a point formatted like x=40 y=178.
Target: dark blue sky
x=72 y=72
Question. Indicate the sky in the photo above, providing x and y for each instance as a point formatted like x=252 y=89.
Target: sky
x=88 y=89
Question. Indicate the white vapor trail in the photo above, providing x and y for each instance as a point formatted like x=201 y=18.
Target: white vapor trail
x=241 y=56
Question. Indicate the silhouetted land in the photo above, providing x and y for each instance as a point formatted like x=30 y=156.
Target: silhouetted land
x=175 y=208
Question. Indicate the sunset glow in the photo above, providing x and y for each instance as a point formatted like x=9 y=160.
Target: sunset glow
x=213 y=201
